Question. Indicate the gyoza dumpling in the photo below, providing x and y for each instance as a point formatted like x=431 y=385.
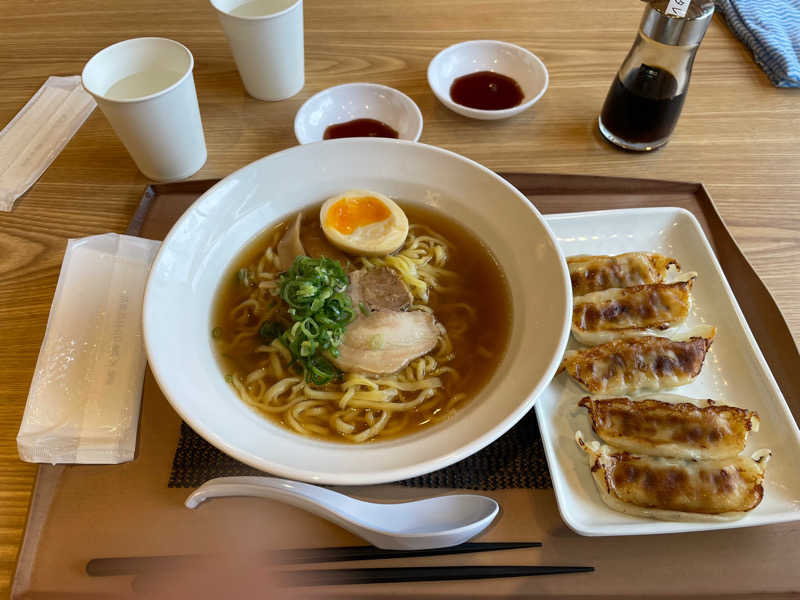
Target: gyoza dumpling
x=671 y=425
x=651 y=309
x=593 y=273
x=634 y=365
x=674 y=489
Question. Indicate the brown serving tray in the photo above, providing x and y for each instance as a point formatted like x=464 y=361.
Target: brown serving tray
x=80 y=512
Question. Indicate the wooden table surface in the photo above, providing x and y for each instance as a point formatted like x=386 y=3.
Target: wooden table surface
x=738 y=135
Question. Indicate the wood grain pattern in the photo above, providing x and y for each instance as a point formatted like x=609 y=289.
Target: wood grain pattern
x=738 y=135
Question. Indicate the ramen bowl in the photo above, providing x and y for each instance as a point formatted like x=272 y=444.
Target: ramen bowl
x=207 y=238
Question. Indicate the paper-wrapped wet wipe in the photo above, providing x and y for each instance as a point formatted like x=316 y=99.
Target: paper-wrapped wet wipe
x=83 y=403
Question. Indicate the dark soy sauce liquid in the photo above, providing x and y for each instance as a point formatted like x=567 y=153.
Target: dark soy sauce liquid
x=645 y=107
x=486 y=90
x=359 y=128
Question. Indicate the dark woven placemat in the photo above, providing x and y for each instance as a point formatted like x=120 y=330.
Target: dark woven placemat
x=516 y=460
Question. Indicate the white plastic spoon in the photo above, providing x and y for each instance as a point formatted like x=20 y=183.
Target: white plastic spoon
x=437 y=522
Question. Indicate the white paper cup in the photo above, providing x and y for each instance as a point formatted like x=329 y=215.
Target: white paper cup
x=266 y=38
x=158 y=118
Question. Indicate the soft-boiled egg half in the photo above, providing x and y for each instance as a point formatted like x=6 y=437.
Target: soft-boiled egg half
x=364 y=223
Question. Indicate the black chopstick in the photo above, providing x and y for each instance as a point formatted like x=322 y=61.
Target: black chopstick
x=341 y=553
x=132 y=565
x=317 y=577
x=145 y=582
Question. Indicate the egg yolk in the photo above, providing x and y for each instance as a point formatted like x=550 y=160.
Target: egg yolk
x=348 y=214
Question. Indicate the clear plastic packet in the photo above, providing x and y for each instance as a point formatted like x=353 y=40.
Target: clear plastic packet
x=36 y=135
x=83 y=403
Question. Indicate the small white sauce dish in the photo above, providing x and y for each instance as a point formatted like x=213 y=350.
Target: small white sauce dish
x=488 y=55
x=351 y=101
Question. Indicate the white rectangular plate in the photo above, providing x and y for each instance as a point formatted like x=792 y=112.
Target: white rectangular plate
x=735 y=372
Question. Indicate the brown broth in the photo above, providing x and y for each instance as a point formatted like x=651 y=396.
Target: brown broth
x=477 y=354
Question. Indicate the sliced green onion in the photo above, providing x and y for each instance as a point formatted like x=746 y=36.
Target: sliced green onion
x=314 y=289
x=320 y=371
x=307 y=348
x=216 y=333
x=270 y=330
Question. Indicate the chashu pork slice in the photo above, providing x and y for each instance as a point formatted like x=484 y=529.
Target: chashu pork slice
x=386 y=341
x=381 y=288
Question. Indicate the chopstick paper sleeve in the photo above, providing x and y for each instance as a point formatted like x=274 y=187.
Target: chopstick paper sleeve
x=36 y=135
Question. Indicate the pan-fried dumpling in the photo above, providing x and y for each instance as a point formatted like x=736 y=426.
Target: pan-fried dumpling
x=651 y=309
x=671 y=425
x=674 y=489
x=594 y=273
x=634 y=365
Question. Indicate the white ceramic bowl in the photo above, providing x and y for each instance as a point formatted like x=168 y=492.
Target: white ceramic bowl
x=195 y=254
x=488 y=55
x=351 y=101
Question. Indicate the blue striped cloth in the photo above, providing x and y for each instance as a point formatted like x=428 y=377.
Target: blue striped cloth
x=771 y=29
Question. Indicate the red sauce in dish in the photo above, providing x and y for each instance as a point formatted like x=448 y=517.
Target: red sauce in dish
x=359 y=128
x=487 y=91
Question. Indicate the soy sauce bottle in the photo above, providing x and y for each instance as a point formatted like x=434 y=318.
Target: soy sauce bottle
x=647 y=95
